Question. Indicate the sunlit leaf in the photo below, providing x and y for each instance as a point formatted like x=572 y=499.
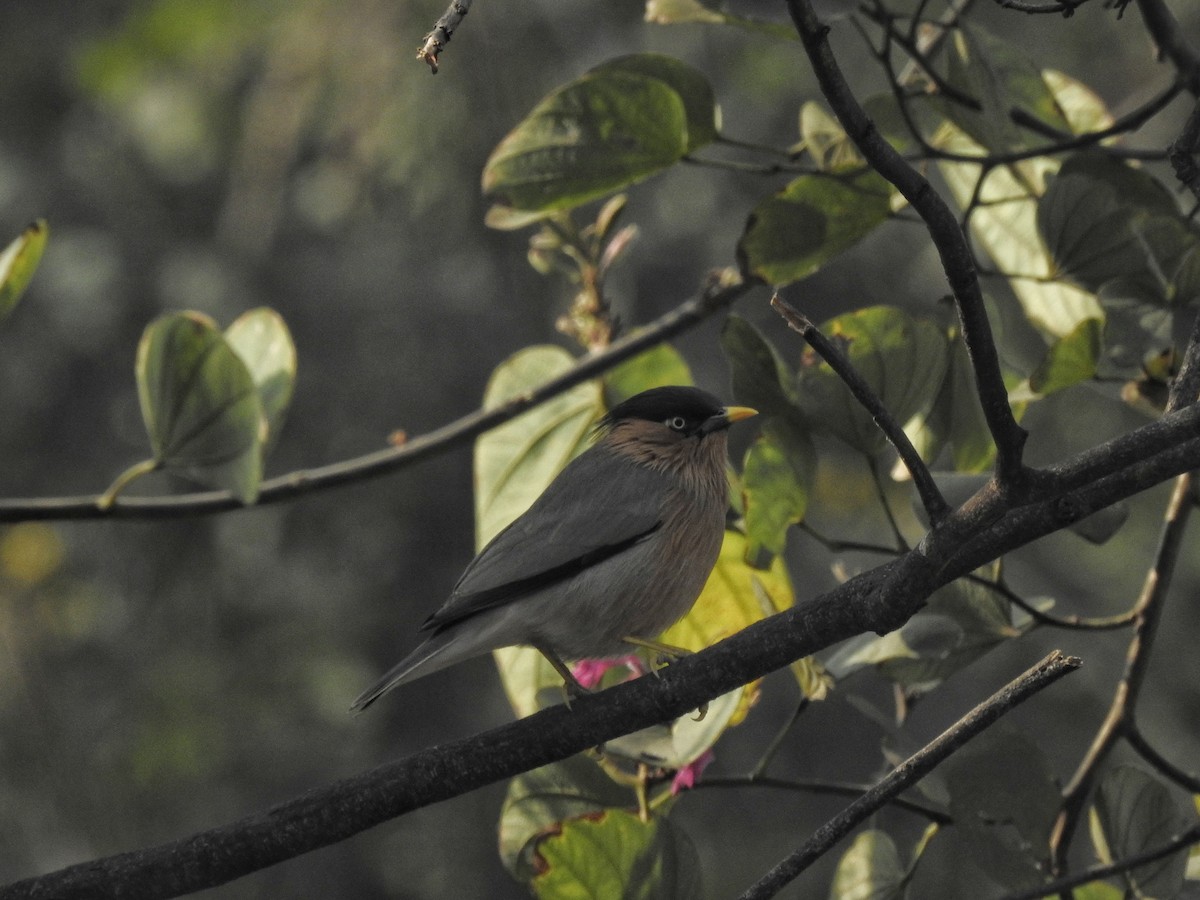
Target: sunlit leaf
x=808 y=223
x=200 y=405
x=1135 y=812
x=616 y=125
x=869 y=870
x=682 y=741
x=614 y=854
x=901 y=358
x=823 y=137
x=1001 y=79
x=1069 y=360
x=1004 y=222
x=18 y=261
x=540 y=799
x=514 y=464
x=1004 y=798
x=735 y=595
x=776 y=476
x=263 y=342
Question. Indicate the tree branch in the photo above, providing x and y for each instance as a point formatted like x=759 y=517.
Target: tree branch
x=935 y=504
x=912 y=770
x=717 y=295
x=1123 y=467
x=957 y=260
x=437 y=39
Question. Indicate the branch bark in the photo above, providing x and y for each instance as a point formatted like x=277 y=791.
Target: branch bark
x=872 y=601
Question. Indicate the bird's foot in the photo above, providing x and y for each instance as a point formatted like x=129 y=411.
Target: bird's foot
x=664 y=655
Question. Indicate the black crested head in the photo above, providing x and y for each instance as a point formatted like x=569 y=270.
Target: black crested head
x=689 y=406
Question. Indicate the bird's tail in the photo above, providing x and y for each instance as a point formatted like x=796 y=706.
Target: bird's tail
x=428 y=657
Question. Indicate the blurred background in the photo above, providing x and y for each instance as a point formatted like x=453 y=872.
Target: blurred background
x=159 y=678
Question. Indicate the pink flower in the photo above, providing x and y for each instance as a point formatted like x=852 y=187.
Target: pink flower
x=589 y=672
x=686 y=777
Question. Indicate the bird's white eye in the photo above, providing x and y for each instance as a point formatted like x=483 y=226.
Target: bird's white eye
x=678 y=423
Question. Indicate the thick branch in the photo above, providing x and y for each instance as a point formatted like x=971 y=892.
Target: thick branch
x=1126 y=466
x=912 y=770
x=957 y=260
x=713 y=298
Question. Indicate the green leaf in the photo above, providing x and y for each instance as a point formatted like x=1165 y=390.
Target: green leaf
x=1070 y=360
x=514 y=464
x=262 y=340
x=200 y=404
x=776 y=474
x=657 y=367
x=869 y=870
x=1004 y=219
x=699 y=103
x=961 y=622
x=958 y=419
x=760 y=377
x=18 y=261
x=1103 y=220
x=808 y=223
x=614 y=854
x=616 y=125
x=538 y=801
x=1002 y=79
x=902 y=359
x=1004 y=798
x=1134 y=812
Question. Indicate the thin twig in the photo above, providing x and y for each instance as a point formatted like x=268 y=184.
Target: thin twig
x=1123 y=707
x=935 y=504
x=913 y=770
x=437 y=39
x=1065 y=8
x=942 y=224
x=820 y=787
x=716 y=296
x=1146 y=750
x=1121 y=866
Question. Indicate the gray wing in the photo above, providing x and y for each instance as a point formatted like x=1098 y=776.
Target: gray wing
x=599 y=505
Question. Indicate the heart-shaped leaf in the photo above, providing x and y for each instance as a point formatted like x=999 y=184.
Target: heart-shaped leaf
x=808 y=223
x=902 y=359
x=616 y=125
x=263 y=342
x=200 y=404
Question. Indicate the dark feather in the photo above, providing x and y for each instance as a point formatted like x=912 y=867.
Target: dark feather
x=601 y=504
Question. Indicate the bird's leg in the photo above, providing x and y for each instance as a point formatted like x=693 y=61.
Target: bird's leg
x=665 y=653
x=571 y=686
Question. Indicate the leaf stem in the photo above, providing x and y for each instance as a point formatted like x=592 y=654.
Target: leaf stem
x=105 y=501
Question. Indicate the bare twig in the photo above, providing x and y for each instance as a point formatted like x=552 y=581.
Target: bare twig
x=913 y=770
x=1146 y=750
x=1065 y=8
x=437 y=39
x=716 y=296
x=956 y=256
x=931 y=497
x=826 y=788
x=1137 y=660
x=1061 y=885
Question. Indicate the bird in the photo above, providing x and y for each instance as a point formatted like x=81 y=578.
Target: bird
x=613 y=552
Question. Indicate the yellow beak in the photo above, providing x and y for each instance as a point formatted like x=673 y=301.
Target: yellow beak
x=737 y=413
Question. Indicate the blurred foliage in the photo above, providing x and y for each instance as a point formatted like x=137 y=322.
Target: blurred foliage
x=218 y=156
